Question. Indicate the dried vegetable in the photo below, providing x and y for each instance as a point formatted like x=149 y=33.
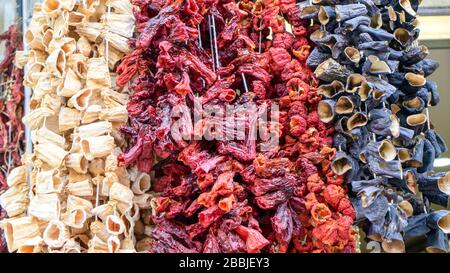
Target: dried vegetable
x=11 y=98
x=325 y=96
x=229 y=195
x=76 y=198
x=373 y=74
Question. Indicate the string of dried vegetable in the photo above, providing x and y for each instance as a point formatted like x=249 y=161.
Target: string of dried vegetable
x=11 y=99
x=76 y=198
x=231 y=195
x=376 y=93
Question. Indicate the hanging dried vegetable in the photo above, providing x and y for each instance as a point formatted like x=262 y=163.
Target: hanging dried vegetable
x=228 y=195
x=373 y=74
x=11 y=127
x=76 y=198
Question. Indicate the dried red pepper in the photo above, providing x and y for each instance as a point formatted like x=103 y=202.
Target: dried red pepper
x=232 y=194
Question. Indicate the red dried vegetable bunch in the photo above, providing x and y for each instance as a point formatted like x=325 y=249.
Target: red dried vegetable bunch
x=11 y=97
x=212 y=193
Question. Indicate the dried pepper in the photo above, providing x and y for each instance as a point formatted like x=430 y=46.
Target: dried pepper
x=211 y=193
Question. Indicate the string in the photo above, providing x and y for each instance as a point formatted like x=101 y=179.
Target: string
x=211 y=43
x=216 y=51
x=108 y=16
x=374 y=137
x=244 y=81
x=27 y=93
x=9 y=150
x=260 y=37
x=106 y=36
x=200 y=37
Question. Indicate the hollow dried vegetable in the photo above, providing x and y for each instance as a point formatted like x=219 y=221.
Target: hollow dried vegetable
x=373 y=74
x=236 y=194
x=11 y=127
x=76 y=198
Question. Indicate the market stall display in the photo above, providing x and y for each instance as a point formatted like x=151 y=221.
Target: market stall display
x=373 y=74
